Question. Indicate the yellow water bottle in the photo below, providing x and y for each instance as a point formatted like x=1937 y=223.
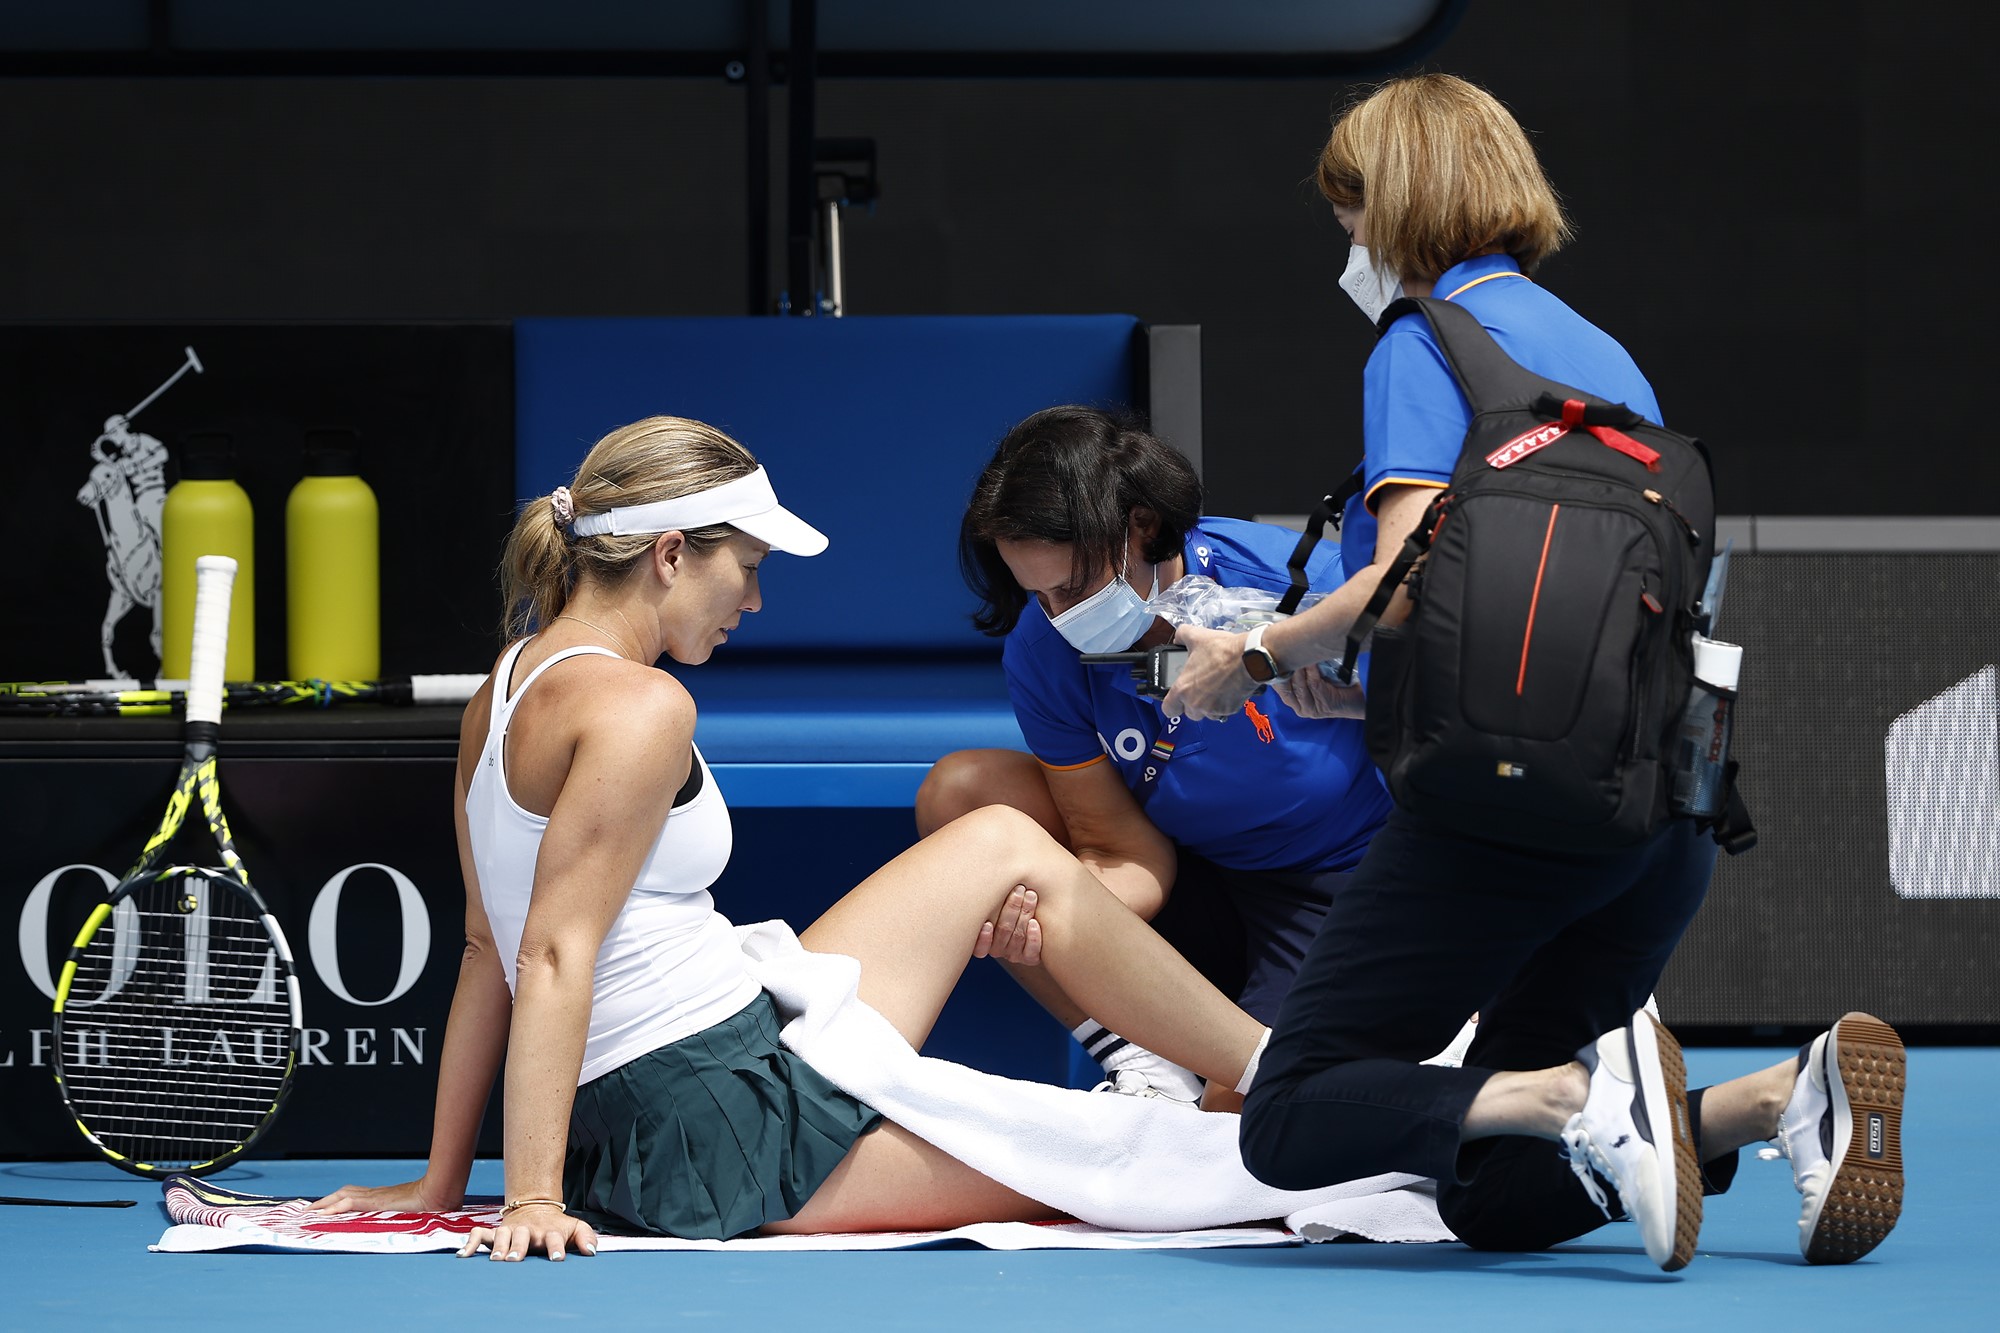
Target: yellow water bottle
x=206 y=513
x=333 y=592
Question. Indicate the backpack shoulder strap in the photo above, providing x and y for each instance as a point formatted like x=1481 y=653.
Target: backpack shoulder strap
x=1489 y=378
x=1328 y=510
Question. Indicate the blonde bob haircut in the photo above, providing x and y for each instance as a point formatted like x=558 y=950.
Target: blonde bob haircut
x=1440 y=172
x=659 y=458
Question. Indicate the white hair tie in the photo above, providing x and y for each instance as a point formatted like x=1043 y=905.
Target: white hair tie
x=563 y=507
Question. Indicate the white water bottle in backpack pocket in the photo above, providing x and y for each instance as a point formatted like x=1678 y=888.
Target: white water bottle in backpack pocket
x=1701 y=757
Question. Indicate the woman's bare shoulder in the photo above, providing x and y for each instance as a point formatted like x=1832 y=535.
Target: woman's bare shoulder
x=626 y=717
x=621 y=690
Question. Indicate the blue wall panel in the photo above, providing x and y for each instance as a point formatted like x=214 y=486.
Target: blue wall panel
x=873 y=429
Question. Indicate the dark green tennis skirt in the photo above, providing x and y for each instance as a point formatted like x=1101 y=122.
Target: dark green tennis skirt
x=710 y=1137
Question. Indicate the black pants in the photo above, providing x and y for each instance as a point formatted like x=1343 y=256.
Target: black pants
x=1552 y=951
x=1247 y=931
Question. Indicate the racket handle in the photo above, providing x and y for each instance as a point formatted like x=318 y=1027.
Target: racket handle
x=444 y=689
x=214 y=576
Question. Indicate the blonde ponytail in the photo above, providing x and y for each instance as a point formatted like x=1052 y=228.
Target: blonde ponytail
x=537 y=570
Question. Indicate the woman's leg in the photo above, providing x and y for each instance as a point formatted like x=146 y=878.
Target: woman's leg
x=1408 y=949
x=1513 y=1193
x=1745 y=1110
x=1198 y=926
x=966 y=780
x=912 y=925
x=891 y=1180
x=1551 y=951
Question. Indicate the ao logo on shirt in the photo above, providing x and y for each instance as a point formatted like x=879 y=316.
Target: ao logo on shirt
x=1128 y=745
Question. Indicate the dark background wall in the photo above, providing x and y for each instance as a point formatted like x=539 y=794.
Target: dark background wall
x=1781 y=210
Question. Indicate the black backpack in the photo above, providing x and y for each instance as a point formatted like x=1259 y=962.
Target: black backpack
x=1533 y=695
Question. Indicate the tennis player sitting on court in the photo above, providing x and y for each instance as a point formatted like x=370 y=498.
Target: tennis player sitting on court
x=645 y=1084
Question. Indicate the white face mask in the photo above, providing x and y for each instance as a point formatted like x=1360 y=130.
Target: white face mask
x=1372 y=289
x=1110 y=620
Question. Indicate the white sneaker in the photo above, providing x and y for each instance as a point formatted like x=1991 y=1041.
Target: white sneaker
x=1132 y=1083
x=1844 y=1136
x=1633 y=1131
x=1124 y=1062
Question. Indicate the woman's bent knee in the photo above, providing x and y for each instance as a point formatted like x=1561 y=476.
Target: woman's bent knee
x=1485 y=1223
x=966 y=780
x=1515 y=1195
x=1261 y=1138
x=999 y=836
x=949 y=790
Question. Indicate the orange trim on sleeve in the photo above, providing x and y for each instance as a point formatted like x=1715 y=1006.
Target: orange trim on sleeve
x=1068 y=768
x=1368 y=497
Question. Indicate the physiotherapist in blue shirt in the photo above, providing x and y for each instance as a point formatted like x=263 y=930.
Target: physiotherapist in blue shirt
x=1240 y=826
x=1442 y=195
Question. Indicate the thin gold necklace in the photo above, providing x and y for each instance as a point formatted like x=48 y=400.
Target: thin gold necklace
x=599 y=628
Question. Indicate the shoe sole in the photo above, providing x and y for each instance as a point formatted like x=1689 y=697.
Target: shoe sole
x=1687 y=1158
x=1667 y=1109
x=1865 y=1195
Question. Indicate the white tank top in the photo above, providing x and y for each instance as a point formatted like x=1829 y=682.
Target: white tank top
x=669 y=966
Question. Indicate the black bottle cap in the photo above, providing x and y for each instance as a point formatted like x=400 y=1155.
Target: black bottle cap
x=332 y=452
x=208 y=455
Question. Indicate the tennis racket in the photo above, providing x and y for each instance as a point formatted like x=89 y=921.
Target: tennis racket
x=177 y=1024
x=132 y=698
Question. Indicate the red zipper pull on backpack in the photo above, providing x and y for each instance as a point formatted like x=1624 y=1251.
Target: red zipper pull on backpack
x=1572 y=417
x=1628 y=446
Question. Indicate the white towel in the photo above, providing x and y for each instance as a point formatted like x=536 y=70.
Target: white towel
x=1126 y=1163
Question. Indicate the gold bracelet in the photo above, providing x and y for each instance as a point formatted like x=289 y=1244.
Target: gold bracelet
x=556 y=1204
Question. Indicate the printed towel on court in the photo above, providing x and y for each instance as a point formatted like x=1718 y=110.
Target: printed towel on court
x=209 y=1218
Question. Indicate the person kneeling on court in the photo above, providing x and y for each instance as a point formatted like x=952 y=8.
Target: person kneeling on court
x=1229 y=835
x=646 y=1087
x=1558 y=947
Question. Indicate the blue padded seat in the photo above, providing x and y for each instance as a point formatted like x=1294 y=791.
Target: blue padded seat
x=852 y=733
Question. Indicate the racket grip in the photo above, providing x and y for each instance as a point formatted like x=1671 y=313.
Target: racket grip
x=444 y=689
x=214 y=576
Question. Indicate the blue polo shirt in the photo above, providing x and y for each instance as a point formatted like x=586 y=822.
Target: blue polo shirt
x=1273 y=791
x=1414 y=418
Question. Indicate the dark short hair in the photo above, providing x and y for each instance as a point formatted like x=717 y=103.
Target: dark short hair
x=1072 y=475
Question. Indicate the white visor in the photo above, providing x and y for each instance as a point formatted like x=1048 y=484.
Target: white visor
x=747 y=503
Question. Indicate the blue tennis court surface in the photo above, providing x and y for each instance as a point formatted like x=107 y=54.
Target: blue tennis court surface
x=89 y=1268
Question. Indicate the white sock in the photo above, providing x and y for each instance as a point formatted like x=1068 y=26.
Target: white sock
x=1256 y=1058
x=1114 y=1053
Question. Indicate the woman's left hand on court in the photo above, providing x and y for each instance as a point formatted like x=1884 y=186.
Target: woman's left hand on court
x=415 y=1196
x=1013 y=936
x=1212 y=682
x=525 y=1230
